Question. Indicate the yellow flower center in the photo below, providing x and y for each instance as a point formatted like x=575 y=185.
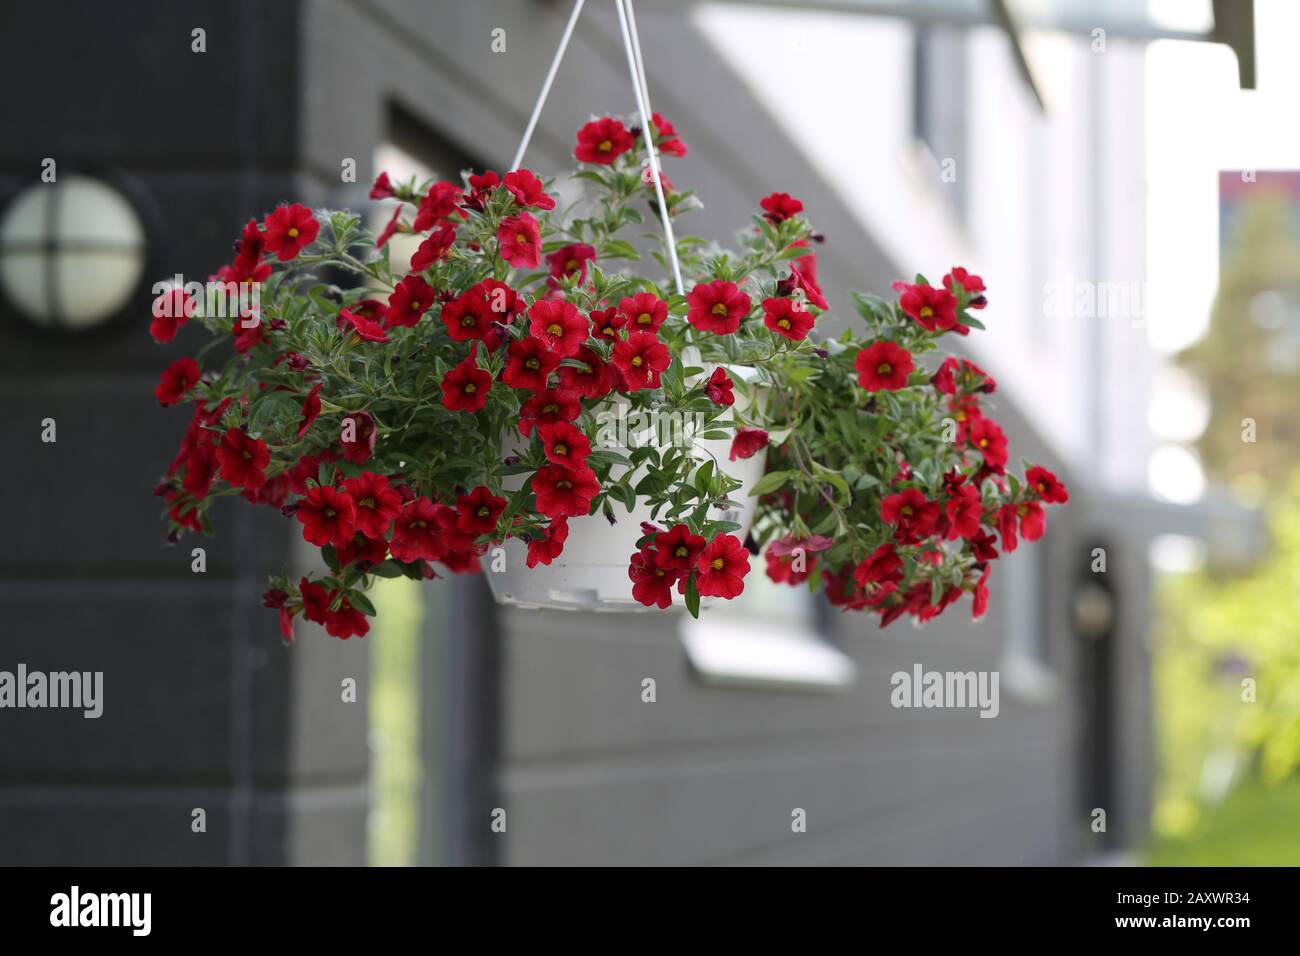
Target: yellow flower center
x=884 y=368
x=571 y=265
x=293 y=232
x=561 y=448
x=636 y=360
x=483 y=512
x=521 y=239
x=719 y=309
x=471 y=388
x=566 y=484
x=644 y=318
x=605 y=146
x=717 y=564
x=906 y=510
x=926 y=311
x=555 y=329
x=532 y=363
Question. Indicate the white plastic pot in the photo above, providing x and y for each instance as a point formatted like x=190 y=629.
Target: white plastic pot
x=591 y=573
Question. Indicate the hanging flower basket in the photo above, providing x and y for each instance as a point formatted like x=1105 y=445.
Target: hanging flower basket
x=595 y=413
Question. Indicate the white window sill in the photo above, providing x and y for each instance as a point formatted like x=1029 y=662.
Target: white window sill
x=733 y=651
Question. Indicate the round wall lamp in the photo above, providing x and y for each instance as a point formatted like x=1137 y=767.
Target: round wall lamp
x=72 y=253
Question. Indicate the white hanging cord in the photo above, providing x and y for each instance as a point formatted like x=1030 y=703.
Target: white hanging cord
x=633 y=47
x=546 y=85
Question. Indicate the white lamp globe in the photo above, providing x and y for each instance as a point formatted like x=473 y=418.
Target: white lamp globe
x=72 y=252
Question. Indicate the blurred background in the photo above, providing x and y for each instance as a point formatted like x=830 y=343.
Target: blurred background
x=1124 y=175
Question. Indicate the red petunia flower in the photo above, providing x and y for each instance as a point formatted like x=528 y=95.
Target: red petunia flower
x=791 y=568
x=177 y=379
x=721 y=568
x=481 y=187
x=547 y=549
x=748 y=442
x=310 y=409
x=548 y=405
x=478 y=511
x=465 y=387
x=520 y=241
x=417 y=534
x=377 y=503
x=717 y=307
x=641 y=359
x=785 y=319
x=357 y=437
x=439 y=207
x=328 y=516
x=719 y=388
x=365 y=328
x=565 y=444
x=644 y=312
x=570 y=260
x=564 y=492
x=289 y=229
x=529 y=364
x=590 y=377
x=883 y=366
x=468 y=316
x=670 y=144
x=559 y=325
x=980 y=604
x=243 y=460
x=390 y=229
x=974 y=285
x=914 y=518
x=779 y=207
x=382 y=188
x=602 y=141
x=678 y=548
x=964 y=511
x=652 y=583
x=171 y=310
x=985 y=435
x=434 y=249
x=934 y=308
x=882 y=566
x=1046 y=484
x=605 y=324
x=408 y=302
x=801 y=282
x=363 y=551
x=527 y=189
x=343 y=623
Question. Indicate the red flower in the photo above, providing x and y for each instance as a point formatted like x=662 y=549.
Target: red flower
x=389 y=230
x=439 y=207
x=883 y=366
x=177 y=379
x=1046 y=484
x=548 y=405
x=678 y=549
x=347 y=621
x=641 y=359
x=570 y=260
x=377 y=503
x=564 y=492
x=328 y=516
x=416 y=532
x=594 y=378
x=382 y=188
x=289 y=229
x=310 y=409
x=559 y=325
x=935 y=309
x=171 y=310
x=481 y=186
x=985 y=435
x=882 y=566
x=243 y=460
x=964 y=511
x=435 y=248
x=960 y=278
x=802 y=282
x=565 y=444
x=719 y=388
x=529 y=363
x=362 y=550
x=980 y=604
x=605 y=324
x=527 y=189
x=644 y=312
x=602 y=141
x=652 y=584
x=468 y=316
x=520 y=241
x=779 y=207
x=1033 y=520
x=465 y=388
x=786 y=565
x=547 y=549
x=669 y=143
x=364 y=328
x=717 y=307
x=478 y=511
x=721 y=568
x=408 y=302
x=914 y=518
x=783 y=318
x=358 y=437
x=747 y=442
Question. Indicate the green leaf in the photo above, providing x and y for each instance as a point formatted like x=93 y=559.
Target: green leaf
x=361 y=603
x=772 y=481
x=692 y=597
